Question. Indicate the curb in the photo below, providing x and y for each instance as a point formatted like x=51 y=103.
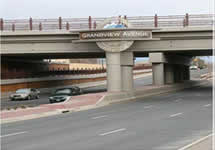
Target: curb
x=119 y=97
x=197 y=145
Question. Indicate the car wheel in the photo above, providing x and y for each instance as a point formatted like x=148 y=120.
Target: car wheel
x=29 y=98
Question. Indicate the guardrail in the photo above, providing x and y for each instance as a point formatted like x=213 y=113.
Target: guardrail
x=91 y=23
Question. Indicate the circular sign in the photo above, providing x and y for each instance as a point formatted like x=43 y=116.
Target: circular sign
x=115 y=46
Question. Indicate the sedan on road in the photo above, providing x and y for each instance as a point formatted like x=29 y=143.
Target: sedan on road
x=63 y=94
x=25 y=94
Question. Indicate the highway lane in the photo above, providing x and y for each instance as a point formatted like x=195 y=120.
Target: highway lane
x=163 y=122
x=6 y=103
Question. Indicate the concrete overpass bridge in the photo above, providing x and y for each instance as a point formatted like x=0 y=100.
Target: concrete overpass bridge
x=170 y=49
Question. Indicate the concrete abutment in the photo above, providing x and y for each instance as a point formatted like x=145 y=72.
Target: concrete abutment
x=169 y=69
x=119 y=71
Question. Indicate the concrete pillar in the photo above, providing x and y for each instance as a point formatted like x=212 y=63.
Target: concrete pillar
x=187 y=73
x=169 y=73
x=176 y=73
x=157 y=60
x=179 y=73
x=114 y=81
x=158 y=73
x=127 y=78
x=127 y=62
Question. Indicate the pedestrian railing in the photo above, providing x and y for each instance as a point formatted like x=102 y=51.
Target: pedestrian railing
x=91 y=23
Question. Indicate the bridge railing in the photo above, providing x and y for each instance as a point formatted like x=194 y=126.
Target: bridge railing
x=91 y=23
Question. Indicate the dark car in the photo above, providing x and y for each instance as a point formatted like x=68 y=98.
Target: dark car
x=25 y=94
x=63 y=94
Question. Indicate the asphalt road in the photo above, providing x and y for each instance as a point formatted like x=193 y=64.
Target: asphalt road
x=6 y=103
x=163 y=122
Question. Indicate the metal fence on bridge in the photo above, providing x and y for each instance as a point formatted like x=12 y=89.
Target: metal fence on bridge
x=91 y=23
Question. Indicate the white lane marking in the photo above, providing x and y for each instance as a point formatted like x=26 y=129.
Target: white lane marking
x=196 y=142
x=150 y=106
x=207 y=105
x=178 y=100
x=114 y=131
x=12 y=134
x=99 y=117
x=174 y=115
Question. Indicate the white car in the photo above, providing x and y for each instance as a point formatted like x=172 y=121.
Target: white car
x=193 y=68
x=27 y=94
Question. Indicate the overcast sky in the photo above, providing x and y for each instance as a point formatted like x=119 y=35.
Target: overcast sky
x=18 y=9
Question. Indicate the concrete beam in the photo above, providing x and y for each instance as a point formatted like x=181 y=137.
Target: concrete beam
x=173 y=45
x=170 y=59
x=188 y=40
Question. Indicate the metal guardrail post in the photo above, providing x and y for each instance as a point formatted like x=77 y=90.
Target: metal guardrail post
x=94 y=25
x=30 y=24
x=90 y=22
x=60 y=23
x=184 y=22
x=1 y=24
x=155 y=20
x=13 y=27
x=67 y=26
x=40 y=26
x=187 y=19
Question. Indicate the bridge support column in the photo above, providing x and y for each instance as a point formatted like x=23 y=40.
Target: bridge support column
x=157 y=60
x=178 y=73
x=158 y=73
x=169 y=73
x=186 y=73
x=169 y=68
x=127 y=63
x=114 y=81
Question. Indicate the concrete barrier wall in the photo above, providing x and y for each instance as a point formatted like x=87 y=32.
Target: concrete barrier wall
x=47 y=84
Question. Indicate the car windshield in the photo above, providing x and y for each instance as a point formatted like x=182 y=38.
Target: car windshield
x=63 y=91
x=23 y=91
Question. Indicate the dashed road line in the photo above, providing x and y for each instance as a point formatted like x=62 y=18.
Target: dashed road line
x=150 y=106
x=178 y=100
x=99 y=117
x=114 y=131
x=174 y=115
x=207 y=105
x=13 y=134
